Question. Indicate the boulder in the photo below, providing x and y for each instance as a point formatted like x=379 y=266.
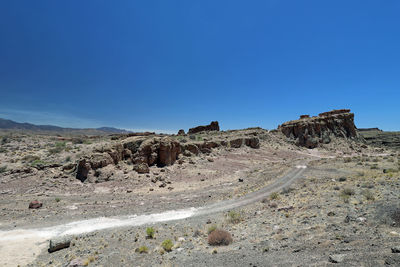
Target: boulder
x=35 y=204
x=236 y=143
x=194 y=149
x=252 y=142
x=95 y=161
x=213 y=126
x=83 y=170
x=141 y=168
x=181 y=132
x=59 y=243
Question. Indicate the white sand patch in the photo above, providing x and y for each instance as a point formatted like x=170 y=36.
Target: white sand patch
x=21 y=247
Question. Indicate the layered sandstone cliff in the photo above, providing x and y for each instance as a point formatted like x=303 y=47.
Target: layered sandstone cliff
x=312 y=131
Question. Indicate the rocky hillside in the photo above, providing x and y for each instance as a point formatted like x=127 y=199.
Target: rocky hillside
x=9 y=125
x=311 y=131
x=377 y=137
x=157 y=150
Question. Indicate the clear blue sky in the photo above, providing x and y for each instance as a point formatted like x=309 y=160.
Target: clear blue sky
x=166 y=65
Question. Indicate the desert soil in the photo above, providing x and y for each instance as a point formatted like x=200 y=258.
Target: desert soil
x=340 y=212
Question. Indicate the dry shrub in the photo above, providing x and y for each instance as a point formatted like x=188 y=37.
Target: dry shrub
x=396 y=216
x=219 y=237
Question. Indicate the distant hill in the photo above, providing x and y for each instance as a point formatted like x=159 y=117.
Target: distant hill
x=10 y=125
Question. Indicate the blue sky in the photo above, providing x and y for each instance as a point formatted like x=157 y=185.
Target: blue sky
x=166 y=65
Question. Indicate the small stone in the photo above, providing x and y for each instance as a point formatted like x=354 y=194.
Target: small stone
x=241 y=180
x=78 y=262
x=331 y=213
x=336 y=258
x=35 y=204
x=396 y=249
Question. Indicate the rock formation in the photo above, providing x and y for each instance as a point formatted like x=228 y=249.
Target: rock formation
x=310 y=132
x=146 y=151
x=214 y=126
x=181 y=132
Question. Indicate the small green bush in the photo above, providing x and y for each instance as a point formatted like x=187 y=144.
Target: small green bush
x=58 y=199
x=30 y=158
x=274 y=196
x=167 y=245
x=58 y=147
x=150 y=232
x=143 y=249
x=211 y=228
x=234 y=217
x=346 y=193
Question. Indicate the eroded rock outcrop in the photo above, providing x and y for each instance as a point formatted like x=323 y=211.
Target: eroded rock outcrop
x=213 y=126
x=146 y=151
x=310 y=132
x=142 y=151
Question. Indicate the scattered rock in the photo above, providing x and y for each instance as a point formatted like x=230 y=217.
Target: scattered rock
x=141 y=168
x=396 y=249
x=35 y=204
x=337 y=258
x=78 y=262
x=59 y=243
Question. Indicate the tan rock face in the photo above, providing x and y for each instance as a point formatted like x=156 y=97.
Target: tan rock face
x=148 y=151
x=213 y=126
x=310 y=132
x=168 y=151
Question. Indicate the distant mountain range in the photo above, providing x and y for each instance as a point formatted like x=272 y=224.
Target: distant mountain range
x=12 y=125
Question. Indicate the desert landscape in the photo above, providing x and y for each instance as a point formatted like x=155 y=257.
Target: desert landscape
x=316 y=191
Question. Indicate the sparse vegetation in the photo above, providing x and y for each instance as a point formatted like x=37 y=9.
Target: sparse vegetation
x=346 y=193
x=219 y=237
x=211 y=229
x=58 y=148
x=396 y=216
x=37 y=163
x=274 y=196
x=368 y=195
x=58 y=199
x=143 y=249
x=150 y=232
x=5 y=140
x=234 y=216
x=30 y=158
x=3 y=169
x=167 y=245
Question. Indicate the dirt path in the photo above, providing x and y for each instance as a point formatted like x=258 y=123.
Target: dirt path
x=21 y=246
